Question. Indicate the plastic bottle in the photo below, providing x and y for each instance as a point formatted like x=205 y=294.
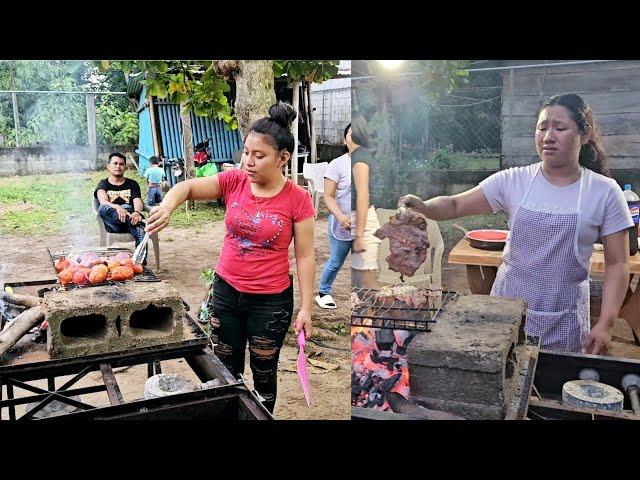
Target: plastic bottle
x=634 y=208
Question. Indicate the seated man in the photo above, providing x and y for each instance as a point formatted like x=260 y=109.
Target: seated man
x=120 y=201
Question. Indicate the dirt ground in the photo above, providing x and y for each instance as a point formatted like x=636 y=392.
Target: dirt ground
x=184 y=253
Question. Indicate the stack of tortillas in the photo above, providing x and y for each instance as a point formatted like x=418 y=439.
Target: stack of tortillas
x=592 y=394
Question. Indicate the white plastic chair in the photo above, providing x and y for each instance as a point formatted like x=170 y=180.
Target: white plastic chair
x=107 y=238
x=313 y=173
x=430 y=272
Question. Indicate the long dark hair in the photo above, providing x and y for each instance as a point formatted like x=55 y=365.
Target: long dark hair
x=277 y=126
x=359 y=130
x=592 y=154
x=344 y=137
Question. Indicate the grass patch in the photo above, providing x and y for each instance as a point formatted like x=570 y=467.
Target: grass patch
x=61 y=204
x=463 y=162
x=451 y=235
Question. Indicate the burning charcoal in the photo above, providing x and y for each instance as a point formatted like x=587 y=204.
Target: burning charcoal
x=402 y=337
x=401 y=350
x=388 y=384
x=384 y=339
x=408 y=241
x=383 y=360
x=368 y=383
x=376 y=399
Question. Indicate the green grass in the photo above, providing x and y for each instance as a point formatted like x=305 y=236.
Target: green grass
x=451 y=235
x=458 y=161
x=61 y=204
x=462 y=162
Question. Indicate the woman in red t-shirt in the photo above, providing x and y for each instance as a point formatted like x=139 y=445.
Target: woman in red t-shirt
x=252 y=293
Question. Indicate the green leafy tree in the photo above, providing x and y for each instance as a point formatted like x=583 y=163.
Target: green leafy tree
x=61 y=118
x=396 y=105
x=202 y=86
x=115 y=127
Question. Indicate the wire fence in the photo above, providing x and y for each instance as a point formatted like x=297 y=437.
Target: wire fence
x=332 y=113
x=460 y=130
x=68 y=118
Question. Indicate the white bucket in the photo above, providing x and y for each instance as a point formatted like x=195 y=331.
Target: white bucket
x=165 y=384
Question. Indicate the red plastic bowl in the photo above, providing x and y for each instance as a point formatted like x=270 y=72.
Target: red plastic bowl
x=488 y=235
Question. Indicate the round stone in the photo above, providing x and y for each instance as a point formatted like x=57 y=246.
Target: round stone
x=592 y=394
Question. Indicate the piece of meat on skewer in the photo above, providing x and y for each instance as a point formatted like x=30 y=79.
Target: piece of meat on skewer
x=408 y=241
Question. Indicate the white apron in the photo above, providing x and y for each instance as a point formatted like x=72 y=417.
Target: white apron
x=542 y=266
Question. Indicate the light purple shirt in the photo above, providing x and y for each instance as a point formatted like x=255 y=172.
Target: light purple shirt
x=339 y=170
x=604 y=208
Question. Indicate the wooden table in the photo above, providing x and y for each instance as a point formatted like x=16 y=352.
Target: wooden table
x=482 y=266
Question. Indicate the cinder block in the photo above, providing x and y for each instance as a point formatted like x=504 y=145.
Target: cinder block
x=470 y=356
x=112 y=318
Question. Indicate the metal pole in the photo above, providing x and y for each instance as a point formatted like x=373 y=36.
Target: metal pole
x=91 y=125
x=16 y=117
x=56 y=92
x=294 y=157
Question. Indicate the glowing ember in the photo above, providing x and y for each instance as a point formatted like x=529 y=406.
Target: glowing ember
x=378 y=366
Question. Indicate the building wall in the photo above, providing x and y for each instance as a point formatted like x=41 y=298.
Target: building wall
x=332 y=103
x=44 y=160
x=611 y=88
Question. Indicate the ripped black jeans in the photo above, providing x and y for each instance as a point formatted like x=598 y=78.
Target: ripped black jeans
x=263 y=320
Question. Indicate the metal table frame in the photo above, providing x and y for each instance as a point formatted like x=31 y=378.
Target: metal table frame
x=232 y=398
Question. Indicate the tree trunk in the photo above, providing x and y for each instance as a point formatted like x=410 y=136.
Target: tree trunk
x=187 y=142
x=21 y=325
x=187 y=146
x=312 y=132
x=254 y=92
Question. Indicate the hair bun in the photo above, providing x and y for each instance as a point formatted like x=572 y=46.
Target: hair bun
x=283 y=114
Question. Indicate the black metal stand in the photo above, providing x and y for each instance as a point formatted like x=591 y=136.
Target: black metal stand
x=231 y=400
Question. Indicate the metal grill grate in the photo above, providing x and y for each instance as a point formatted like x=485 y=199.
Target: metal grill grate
x=147 y=274
x=370 y=311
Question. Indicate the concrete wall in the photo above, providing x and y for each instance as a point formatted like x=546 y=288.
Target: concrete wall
x=38 y=160
x=430 y=184
x=450 y=182
x=611 y=88
x=332 y=103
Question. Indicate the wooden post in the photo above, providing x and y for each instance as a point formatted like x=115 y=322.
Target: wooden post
x=312 y=136
x=16 y=117
x=187 y=142
x=154 y=129
x=187 y=147
x=91 y=125
x=294 y=157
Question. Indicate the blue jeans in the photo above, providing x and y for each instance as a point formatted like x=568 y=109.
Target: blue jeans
x=113 y=224
x=154 y=196
x=338 y=251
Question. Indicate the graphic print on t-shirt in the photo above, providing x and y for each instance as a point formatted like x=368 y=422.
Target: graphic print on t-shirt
x=123 y=194
x=253 y=233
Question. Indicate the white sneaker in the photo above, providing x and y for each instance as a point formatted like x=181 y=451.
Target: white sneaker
x=326 y=302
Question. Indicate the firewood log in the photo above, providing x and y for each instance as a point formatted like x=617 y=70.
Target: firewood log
x=17 y=299
x=20 y=325
x=399 y=404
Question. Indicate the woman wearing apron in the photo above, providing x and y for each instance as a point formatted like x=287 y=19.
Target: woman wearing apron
x=557 y=209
